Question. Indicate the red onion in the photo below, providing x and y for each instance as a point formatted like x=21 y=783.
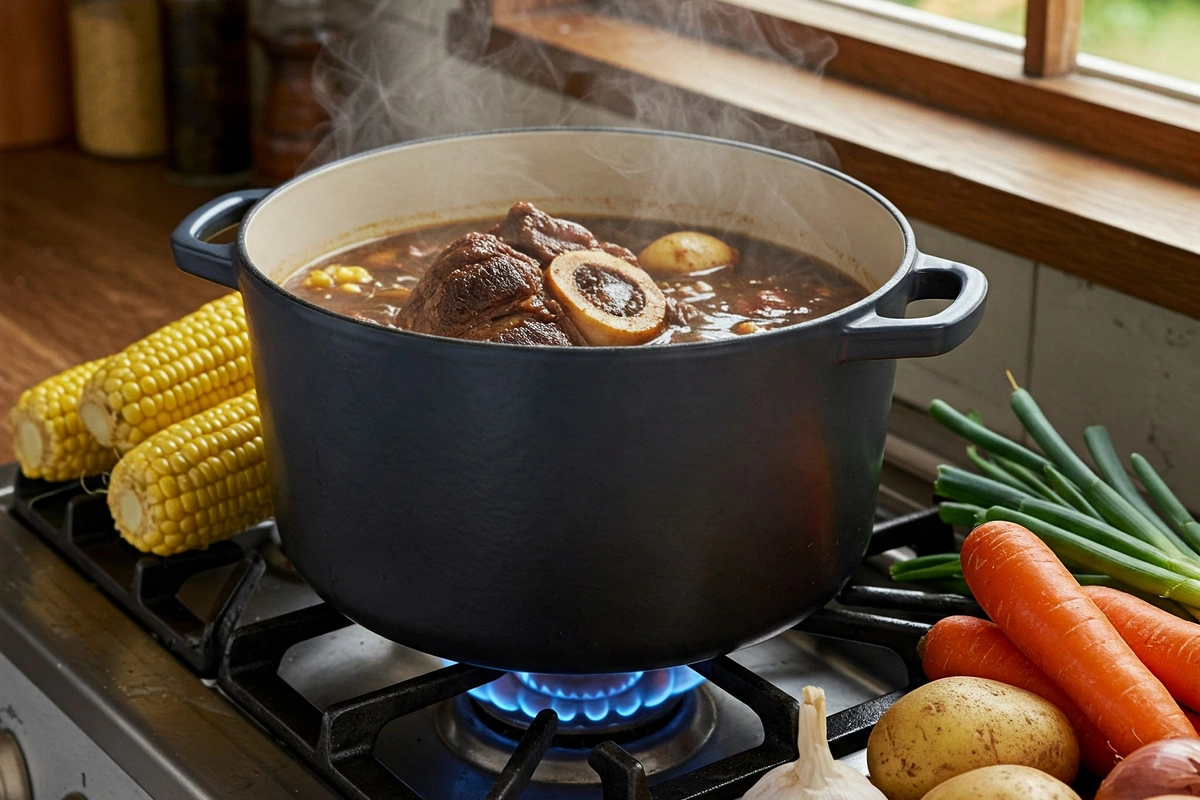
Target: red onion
x=1167 y=767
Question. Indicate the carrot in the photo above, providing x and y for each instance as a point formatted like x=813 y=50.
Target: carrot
x=1167 y=645
x=1027 y=591
x=973 y=647
x=1192 y=716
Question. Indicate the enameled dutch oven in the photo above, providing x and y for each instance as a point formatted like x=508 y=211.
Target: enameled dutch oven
x=577 y=510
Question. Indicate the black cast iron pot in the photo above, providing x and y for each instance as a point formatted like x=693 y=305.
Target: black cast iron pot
x=577 y=510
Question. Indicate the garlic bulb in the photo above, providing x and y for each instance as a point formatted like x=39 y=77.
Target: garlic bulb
x=815 y=775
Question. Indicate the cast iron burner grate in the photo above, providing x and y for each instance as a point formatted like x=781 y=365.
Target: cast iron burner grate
x=339 y=741
x=78 y=525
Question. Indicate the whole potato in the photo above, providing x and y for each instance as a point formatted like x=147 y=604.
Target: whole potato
x=1003 y=782
x=685 y=252
x=955 y=725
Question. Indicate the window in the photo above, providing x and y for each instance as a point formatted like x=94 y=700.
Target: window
x=1162 y=36
x=1071 y=159
x=1001 y=15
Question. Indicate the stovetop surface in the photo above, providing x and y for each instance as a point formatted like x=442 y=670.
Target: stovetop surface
x=170 y=731
x=178 y=735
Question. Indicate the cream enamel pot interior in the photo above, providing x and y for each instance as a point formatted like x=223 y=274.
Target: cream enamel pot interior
x=577 y=510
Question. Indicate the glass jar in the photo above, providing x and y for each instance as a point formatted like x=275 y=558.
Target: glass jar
x=207 y=90
x=116 y=65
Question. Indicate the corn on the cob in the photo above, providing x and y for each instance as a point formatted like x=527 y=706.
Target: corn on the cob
x=50 y=441
x=194 y=483
x=177 y=371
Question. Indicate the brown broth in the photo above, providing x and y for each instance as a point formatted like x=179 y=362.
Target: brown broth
x=769 y=287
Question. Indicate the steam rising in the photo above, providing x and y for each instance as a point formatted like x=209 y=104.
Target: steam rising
x=391 y=78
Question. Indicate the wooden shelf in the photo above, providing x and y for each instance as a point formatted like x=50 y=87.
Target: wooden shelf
x=1112 y=223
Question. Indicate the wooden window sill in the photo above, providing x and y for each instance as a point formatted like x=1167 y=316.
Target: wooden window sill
x=1112 y=223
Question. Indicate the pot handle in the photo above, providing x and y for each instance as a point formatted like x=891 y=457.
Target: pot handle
x=213 y=262
x=874 y=336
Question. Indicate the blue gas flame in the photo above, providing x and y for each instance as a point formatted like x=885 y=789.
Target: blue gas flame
x=599 y=699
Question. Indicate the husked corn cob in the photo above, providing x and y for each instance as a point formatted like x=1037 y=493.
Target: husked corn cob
x=175 y=372
x=50 y=440
x=194 y=483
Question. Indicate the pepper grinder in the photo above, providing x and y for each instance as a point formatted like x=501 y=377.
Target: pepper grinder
x=292 y=122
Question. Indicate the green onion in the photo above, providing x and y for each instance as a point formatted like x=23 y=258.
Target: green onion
x=1169 y=606
x=1183 y=522
x=936 y=572
x=1070 y=492
x=1140 y=575
x=1087 y=579
x=923 y=562
x=967 y=487
x=976 y=433
x=1029 y=478
x=1112 y=506
x=1100 y=445
x=963 y=515
x=1119 y=512
x=1104 y=534
x=1031 y=416
x=995 y=471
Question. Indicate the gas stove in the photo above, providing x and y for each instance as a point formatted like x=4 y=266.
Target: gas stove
x=221 y=674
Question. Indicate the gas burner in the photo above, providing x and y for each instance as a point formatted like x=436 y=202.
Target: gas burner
x=407 y=728
x=587 y=705
x=680 y=727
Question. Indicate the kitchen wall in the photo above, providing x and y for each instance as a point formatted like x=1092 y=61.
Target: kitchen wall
x=1089 y=354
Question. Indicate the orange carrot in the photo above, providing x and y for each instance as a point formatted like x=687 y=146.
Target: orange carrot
x=1192 y=716
x=1027 y=591
x=967 y=646
x=1167 y=645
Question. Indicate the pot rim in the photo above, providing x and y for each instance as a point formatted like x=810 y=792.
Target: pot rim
x=848 y=313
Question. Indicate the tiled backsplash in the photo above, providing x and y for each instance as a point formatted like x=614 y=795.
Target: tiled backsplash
x=1089 y=355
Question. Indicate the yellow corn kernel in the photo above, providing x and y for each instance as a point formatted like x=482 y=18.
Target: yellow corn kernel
x=317 y=280
x=50 y=440
x=179 y=370
x=165 y=502
x=343 y=274
x=349 y=288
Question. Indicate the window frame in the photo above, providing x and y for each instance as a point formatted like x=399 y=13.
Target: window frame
x=1095 y=177
x=1135 y=116
x=1086 y=64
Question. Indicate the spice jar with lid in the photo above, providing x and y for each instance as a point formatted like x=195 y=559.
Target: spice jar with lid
x=207 y=89
x=117 y=69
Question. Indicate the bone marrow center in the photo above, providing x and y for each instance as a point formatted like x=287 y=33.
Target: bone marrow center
x=609 y=291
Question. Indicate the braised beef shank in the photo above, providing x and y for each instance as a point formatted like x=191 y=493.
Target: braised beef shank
x=489 y=286
x=480 y=288
x=535 y=233
x=499 y=286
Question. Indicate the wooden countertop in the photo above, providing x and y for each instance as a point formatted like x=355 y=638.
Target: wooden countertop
x=85 y=262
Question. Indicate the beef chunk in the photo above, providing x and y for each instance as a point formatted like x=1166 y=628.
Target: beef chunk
x=480 y=288
x=521 y=329
x=680 y=313
x=537 y=234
